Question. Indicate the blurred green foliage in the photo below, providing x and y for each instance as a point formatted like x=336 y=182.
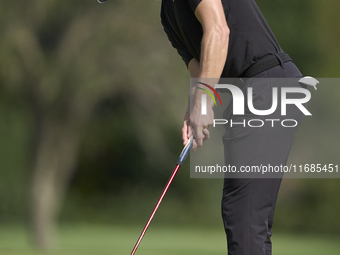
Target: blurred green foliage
x=114 y=63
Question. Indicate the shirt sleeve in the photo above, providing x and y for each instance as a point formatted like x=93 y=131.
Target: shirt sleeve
x=182 y=51
x=193 y=4
x=186 y=56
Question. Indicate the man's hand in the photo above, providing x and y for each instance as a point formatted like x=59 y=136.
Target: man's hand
x=195 y=123
x=200 y=123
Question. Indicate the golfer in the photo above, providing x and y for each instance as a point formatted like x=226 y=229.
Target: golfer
x=231 y=38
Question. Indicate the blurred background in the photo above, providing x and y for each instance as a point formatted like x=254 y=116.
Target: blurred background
x=92 y=99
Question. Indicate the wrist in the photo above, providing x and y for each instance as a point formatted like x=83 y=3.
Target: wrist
x=201 y=90
x=196 y=105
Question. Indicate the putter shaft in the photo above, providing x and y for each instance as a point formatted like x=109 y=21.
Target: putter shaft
x=155 y=209
x=180 y=161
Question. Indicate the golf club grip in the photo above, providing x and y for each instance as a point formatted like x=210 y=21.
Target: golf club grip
x=185 y=151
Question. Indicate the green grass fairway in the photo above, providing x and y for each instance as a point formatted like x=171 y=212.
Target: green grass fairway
x=94 y=240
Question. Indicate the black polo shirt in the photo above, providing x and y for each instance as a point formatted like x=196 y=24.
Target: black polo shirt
x=250 y=36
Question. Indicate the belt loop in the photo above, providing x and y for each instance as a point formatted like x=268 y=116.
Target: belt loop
x=280 y=60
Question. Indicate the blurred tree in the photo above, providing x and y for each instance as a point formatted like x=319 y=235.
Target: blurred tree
x=61 y=58
x=44 y=51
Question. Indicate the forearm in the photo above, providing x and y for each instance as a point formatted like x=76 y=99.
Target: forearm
x=214 y=50
x=215 y=40
x=214 y=45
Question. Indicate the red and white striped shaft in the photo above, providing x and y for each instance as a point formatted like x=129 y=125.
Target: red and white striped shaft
x=155 y=209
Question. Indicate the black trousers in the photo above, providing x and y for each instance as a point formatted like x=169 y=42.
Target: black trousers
x=248 y=204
